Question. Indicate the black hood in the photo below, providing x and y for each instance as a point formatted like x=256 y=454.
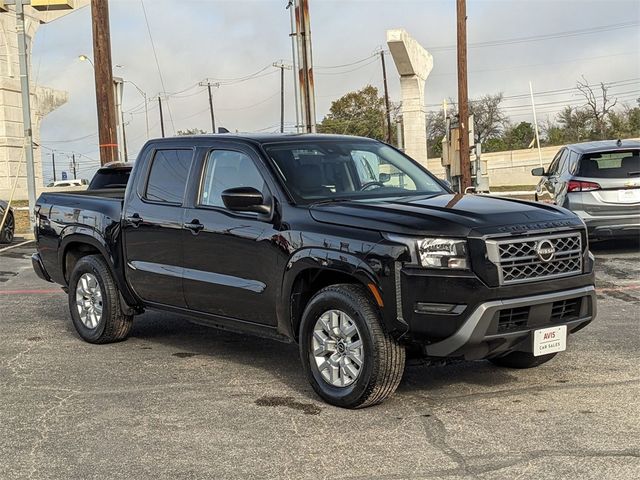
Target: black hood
x=446 y=214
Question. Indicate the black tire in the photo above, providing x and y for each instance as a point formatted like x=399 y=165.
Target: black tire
x=384 y=358
x=113 y=326
x=521 y=360
x=8 y=229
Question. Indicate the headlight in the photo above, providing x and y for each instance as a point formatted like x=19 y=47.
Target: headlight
x=443 y=253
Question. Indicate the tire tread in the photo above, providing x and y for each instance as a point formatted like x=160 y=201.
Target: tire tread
x=117 y=324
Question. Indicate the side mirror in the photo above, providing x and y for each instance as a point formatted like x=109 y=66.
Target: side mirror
x=538 y=172
x=245 y=199
x=384 y=177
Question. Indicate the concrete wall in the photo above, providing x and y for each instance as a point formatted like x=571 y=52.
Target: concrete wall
x=507 y=168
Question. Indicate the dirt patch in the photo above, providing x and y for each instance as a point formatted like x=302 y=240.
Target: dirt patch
x=184 y=354
x=22 y=221
x=289 y=402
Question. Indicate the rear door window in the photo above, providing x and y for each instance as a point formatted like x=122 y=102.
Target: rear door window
x=168 y=176
x=624 y=164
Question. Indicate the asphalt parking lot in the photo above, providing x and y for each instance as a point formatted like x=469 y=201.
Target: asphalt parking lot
x=177 y=400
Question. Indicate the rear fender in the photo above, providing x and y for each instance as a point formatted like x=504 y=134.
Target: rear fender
x=85 y=235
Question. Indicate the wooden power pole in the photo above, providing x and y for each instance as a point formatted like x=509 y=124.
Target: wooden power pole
x=463 y=96
x=105 y=101
x=386 y=96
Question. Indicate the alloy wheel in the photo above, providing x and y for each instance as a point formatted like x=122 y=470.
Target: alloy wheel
x=89 y=300
x=337 y=348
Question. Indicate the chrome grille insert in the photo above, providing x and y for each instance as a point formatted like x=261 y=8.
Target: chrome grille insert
x=529 y=259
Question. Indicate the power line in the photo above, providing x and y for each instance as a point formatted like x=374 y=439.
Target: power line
x=531 y=65
x=155 y=55
x=535 y=38
x=372 y=61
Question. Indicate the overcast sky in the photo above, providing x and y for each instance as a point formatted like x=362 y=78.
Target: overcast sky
x=196 y=39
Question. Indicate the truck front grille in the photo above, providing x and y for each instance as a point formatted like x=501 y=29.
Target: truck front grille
x=529 y=259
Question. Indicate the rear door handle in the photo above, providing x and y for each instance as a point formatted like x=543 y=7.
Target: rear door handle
x=195 y=226
x=134 y=220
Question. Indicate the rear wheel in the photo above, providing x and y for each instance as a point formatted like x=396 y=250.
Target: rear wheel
x=94 y=303
x=8 y=229
x=521 y=360
x=349 y=359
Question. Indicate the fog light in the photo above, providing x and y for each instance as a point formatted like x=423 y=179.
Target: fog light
x=439 y=308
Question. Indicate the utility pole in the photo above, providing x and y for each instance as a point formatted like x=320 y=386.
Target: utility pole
x=53 y=161
x=124 y=141
x=207 y=83
x=73 y=166
x=161 y=115
x=386 y=96
x=282 y=66
x=118 y=86
x=104 y=81
x=305 y=73
x=294 y=60
x=463 y=96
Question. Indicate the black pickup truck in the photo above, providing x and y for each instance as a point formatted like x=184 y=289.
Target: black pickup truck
x=342 y=244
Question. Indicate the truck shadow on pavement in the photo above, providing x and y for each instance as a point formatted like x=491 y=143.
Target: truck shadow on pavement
x=280 y=362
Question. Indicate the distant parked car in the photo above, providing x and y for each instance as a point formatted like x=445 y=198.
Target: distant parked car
x=599 y=181
x=8 y=229
x=68 y=183
x=111 y=175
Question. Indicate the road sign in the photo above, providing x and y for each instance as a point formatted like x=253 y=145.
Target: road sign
x=64 y=175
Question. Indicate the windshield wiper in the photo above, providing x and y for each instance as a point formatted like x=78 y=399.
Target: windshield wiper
x=330 y=200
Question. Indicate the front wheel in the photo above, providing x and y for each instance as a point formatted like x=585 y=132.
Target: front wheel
x=348 y=357
x=94 y=302
x=521 y=360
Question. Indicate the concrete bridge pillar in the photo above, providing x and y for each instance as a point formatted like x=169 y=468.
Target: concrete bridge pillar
x=43 y=100
x=414 y=64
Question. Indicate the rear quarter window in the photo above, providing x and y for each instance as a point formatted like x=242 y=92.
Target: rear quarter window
x=623 y=164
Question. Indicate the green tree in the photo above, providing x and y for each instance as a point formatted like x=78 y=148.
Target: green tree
x=489 y=119
x=359 y=113
x=625 y=123
x=518 y=136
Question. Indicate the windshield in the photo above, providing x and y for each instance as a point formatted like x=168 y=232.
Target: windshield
x=621 y=164
x=338 y=170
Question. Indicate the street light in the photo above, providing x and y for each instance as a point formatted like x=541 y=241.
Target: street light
x=146 y=103
x=84 y=58
x=120 y=113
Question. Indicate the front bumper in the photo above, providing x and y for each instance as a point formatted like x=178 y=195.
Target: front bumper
x=38 y=267
x=480 y=336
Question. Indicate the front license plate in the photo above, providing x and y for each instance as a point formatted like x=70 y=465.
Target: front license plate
x=549 y=340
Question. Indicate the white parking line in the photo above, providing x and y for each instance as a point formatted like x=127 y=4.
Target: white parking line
x=15 y=246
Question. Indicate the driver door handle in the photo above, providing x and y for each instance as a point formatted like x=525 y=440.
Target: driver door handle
x=134 y=220
x=195 y=226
